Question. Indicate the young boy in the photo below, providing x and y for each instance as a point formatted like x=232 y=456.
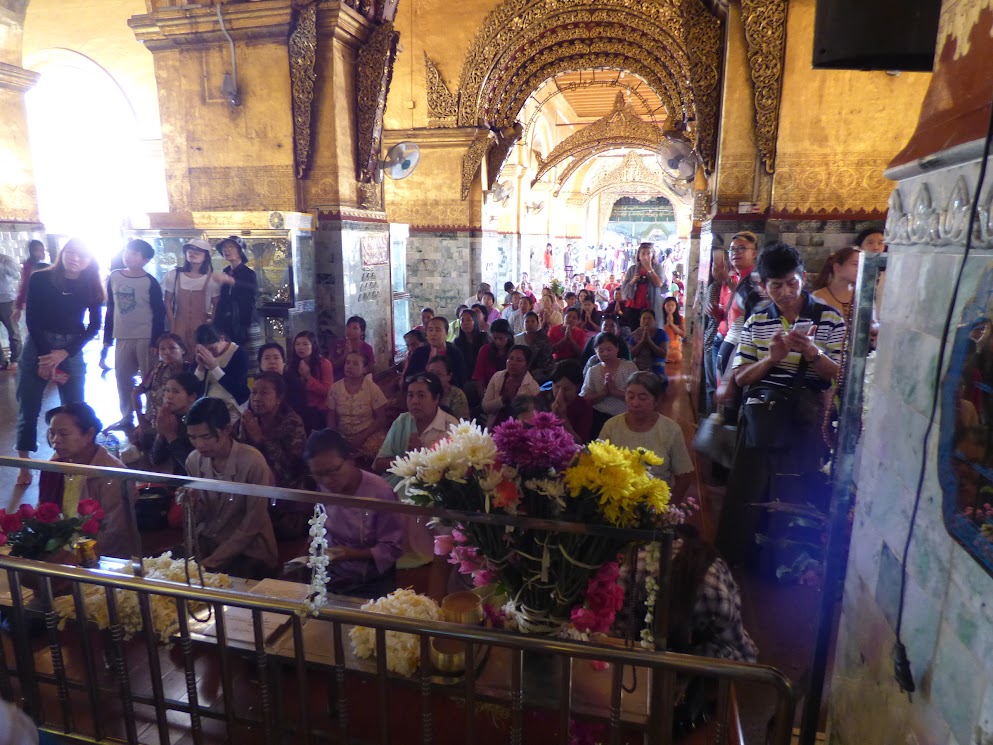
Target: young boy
x=135 y=319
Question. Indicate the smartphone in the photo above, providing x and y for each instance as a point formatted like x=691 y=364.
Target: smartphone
x=802 y=327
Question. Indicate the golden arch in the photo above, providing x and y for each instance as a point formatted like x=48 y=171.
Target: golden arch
x=673 y=45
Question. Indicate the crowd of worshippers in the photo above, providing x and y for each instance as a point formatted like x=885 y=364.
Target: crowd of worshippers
x=196 y=410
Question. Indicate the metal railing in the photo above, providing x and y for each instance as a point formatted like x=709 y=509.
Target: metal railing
x=67 y=676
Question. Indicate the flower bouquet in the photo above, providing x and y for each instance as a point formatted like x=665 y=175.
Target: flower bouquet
x=537 y=470
x=45 y=534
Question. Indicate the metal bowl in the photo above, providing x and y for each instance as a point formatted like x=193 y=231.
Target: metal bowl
x=447 y=655
x=463 y=607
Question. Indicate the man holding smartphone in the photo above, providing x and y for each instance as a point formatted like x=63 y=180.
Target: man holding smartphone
x=787 y=357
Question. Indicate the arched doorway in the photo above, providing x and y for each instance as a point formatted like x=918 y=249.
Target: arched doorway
x=91 y=170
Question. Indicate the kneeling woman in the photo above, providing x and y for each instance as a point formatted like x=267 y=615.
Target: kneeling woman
x=172 y=447
x=364 y=546
x=72 y=430
x=270 y=426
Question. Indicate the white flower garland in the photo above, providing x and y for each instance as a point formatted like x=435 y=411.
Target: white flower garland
x=648 y=558
x=318 y=560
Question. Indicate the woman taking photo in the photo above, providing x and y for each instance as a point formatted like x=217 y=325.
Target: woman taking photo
x=675 y=328
x=57 y=299
x=508 y=384
x=604 y=384
x=642 y=426
x=642 y=283
x=191 y=293
x=311 y=371
x=236 y=312
x=172 y=447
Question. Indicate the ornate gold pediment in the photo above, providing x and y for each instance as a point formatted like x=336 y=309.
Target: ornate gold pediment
x=442 y=104
x=622 y=127
x=633 y=178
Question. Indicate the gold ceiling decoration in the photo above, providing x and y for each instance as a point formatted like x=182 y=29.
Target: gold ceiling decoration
x=442 y=105
x=632 y=177
x=374 y=71
x=622 y=127
x=303 y=57
x=473 y=157
x=765 y=40
x=522 y=44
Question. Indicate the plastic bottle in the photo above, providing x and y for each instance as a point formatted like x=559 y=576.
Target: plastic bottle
x=110 y=443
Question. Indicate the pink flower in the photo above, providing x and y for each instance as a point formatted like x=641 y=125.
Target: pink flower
x=3 y=538
x=48 y=513
x=584 y=619
x=458 y=535
x=91 y=526
x=598 y=665
x=26 y=511
x=443 y=545
x=483 y=577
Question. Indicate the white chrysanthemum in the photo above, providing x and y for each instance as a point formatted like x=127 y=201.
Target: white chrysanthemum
x=489 y=479
x=403 y=651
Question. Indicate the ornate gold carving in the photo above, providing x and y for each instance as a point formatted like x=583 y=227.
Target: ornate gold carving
x=632 y=177
x=500 y=151
x=518 y=36
x=374 y=73
x=371 y=196
x=622 y=127
x=303 y=57
x=245 y=188
x=704 y=41
x=442 y=105
x=765 y=40
x=812 y=183
x=472 y=158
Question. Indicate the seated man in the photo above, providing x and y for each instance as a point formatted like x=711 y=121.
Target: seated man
x=233 y=531
x=364 y=546
x=223 y=367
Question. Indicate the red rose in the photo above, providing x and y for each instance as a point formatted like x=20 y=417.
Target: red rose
x=91 y=526
x=3 y=538
x=26 y=511
x=10 y=523
x=87 y=507
x=48 y=512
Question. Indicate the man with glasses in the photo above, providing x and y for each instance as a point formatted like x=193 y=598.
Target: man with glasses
x=738 y=295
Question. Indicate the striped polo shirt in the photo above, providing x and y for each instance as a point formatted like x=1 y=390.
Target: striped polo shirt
x=762 y=325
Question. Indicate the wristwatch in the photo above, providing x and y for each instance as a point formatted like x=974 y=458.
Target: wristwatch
x=816 y=357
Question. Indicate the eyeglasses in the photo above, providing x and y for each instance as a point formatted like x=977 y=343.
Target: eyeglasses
x=739 y=249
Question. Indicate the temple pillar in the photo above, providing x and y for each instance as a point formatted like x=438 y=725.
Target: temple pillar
x=18 y=199
x=289 y=139
x=445 y=248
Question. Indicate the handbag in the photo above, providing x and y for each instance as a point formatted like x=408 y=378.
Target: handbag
x=769 y=415
x=716 y=440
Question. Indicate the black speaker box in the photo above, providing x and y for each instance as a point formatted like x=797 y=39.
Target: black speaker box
x=876 y=34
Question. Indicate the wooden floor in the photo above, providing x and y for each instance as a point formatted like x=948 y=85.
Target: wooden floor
x=780 y=618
